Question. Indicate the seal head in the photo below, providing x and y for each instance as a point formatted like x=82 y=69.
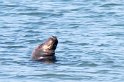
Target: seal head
x=46 y=50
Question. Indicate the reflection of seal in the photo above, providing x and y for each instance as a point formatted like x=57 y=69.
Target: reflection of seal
x=46 y=51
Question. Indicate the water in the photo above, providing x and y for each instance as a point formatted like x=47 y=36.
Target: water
x=90 y=33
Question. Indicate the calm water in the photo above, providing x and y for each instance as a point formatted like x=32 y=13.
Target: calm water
x=90 y=33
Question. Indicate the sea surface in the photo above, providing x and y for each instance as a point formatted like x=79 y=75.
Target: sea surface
x=90 y=34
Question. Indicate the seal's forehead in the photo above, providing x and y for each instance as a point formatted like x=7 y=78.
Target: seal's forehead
x=45 y=47
x=53 y=37
x=50 y=42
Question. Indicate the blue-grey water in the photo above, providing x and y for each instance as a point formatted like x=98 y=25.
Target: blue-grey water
x=90 y=34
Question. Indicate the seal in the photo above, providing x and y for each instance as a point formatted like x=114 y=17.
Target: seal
x=46 y=50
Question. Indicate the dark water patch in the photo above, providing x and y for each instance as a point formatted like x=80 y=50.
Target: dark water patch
x=63 y=0
x=53 y=75
x=67 y=42
x=104 y=45
x=27 y=36
x=33 y=41
x=116 y=34
x=75 y=25
x=50 y=76
x=24 y=8
x=35 y=13
x=10 y=5
x=19 y=76
x=76 y=9
x=6 y=61
x=10 y=61
x=8 y=43
x=83 y=44
x=111 y=5
x=118 y=66
x=108 y=62
x=21 y=62
x=69 y=61
x=78 y=78
x=57 y=15
x=4 y=76
x=41 y=14
x=87 y=64
x=35 y=22
x=13 y=46
x=4 y=27
x=94 y=16
x=103 y=71
x=33 y=31
x=120 y=25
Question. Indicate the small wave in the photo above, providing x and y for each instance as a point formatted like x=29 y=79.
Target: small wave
x=111 y=5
